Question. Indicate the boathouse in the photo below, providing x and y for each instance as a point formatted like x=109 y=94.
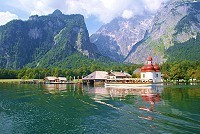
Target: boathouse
x=62 y=79
x=50 y=79
x=150 y=71
x=97 y=77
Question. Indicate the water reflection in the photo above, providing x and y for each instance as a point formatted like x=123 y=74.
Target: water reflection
x=146 y=97
x=152 y=99
x=53 y=87
x=111 y=92
x=58 y=88
x=82 y=109
x=148 y=93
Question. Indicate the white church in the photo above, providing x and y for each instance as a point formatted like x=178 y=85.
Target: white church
x=150 y=71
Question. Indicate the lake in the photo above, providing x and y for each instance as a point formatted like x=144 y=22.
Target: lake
x=72 y=109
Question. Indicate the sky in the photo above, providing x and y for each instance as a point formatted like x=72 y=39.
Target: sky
x=95 y=12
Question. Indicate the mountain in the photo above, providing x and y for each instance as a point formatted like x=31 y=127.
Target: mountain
x=116 y=38
x=132 y=40
x=175 y=23
x=44 y=41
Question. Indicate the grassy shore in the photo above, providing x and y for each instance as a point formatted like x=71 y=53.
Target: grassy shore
x=19 y=80
x=10 y=80
x=16 y=80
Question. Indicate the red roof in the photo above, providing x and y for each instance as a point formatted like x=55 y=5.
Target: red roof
x=150 y=67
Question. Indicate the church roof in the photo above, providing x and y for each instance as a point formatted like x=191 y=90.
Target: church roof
x=149 y=67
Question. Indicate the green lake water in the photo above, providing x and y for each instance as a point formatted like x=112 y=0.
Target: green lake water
x=61 y=109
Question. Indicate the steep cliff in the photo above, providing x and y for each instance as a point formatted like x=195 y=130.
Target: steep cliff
x=44 y=40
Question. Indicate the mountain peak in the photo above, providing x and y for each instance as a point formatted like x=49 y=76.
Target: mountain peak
x=57 y=12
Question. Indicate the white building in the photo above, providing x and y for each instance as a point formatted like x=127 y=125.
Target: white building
x=150 y=71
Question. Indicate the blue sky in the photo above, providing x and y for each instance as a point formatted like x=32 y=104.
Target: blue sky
x=96 y=12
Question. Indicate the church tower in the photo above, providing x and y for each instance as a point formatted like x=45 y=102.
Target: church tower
x=150 y=71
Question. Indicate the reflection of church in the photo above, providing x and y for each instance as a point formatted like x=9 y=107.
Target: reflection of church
x=151 y=99
x=144 y=97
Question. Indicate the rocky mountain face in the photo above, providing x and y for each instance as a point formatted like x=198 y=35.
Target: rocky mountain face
x=44 y=40
x=176 y=21
x=134 y=39
x=117 y=38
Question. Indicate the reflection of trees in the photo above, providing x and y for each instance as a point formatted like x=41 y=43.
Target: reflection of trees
x=182 y=97
x=179 y=93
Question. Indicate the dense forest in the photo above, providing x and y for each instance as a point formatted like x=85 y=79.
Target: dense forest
x=81 y=67
x=181 y=70
x=171 y=70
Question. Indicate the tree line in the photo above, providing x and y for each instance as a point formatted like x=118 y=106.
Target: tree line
x=40 y=73
x=181 y=70
x=170 y=70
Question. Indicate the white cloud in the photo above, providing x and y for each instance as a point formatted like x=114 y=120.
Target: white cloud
x=127 y=14
x=6 y=17
x=104 y=10
x=153 y=5
x=41 y=8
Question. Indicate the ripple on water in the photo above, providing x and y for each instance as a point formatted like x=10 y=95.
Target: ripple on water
x=35 y=110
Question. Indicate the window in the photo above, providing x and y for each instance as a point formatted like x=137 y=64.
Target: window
x=143 y=75
x=156 y=75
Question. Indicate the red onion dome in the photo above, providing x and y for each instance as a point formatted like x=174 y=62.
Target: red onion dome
x=157 y=68
x=148 y=68
x=143 y=69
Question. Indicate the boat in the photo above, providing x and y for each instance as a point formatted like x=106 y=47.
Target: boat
x=128 y=82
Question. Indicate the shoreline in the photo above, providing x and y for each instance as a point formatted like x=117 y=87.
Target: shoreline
x=40 y=81
x=18 y=80
x=32 y=81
